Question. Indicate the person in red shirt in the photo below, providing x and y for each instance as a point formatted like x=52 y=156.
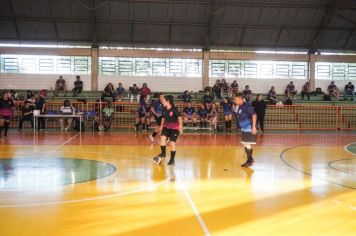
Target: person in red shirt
x=145 y=91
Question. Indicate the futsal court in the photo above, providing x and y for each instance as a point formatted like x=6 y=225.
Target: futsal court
x=89 y=184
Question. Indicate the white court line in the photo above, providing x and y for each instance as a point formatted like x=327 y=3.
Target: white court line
x=146 y=188
x=192 y=205
x=347 y=150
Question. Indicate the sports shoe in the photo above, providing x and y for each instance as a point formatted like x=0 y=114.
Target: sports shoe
x=152 y=138
x=161 y=155
x=157 y=160
x=171 y=162
x=248 y=163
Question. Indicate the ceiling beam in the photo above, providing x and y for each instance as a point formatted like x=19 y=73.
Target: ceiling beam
x=239 y=4
x=18 y=37
x=94 y=33
x=295 y=27
x=212 y=11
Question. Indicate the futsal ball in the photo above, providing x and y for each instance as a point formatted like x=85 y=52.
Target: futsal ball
x=101 y=128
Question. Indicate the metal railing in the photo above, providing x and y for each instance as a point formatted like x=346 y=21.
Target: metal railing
x=295 y=117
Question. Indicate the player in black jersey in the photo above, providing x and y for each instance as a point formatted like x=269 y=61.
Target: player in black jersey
x=171 y=126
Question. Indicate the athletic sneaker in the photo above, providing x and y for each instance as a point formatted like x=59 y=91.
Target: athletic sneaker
x=157 y=160
x=152 y=138
x=171 y=162
x=248 y=163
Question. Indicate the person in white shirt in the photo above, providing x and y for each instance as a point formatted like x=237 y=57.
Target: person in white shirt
x=66 y=109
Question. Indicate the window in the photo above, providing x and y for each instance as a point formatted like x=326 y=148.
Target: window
x=35 y=64
x=150 y=67
x=258 y=69
x=335 y=71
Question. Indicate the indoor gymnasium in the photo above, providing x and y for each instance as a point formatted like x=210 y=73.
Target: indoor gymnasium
x=177 y=117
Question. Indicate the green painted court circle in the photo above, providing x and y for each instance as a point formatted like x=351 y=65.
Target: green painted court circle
x=351 y=148
x=23 y=173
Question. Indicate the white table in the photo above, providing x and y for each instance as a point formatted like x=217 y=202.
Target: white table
x=35 y=119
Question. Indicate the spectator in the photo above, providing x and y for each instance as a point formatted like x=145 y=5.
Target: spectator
x=189 y=114
x=145 y=91
x=135 y=93
x=203 y=115
x=234 y=88
x=40 y=105
x=32 y=99
x=60 y=86
x=224 y=86
x=227 y=105
x=217 y=89
x=272 y=96
x=213 y=115
x=142 y=115
x=109 y=91
x=260 y=106
x=207 y=98
x=247 y=93
x=13 y=95
x=186 y=98
x=66 y=109
x=109 y=113
x=333 y=90
x=27 y=114
x=120 y=92
x=306 y=91
x=78 y=86
x=349 y=91
x=29 y=94
x=290 y=90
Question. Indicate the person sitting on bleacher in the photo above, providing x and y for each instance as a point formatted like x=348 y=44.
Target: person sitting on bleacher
x=203 y=115
x=224 y=86
x=66 y=109
x=189 y=114
x=14 y=95
x=349 y=91
x=32 y=99
x=217 y=89
x=234 y=88
x=29 y=94
x=306 y=91
x=272 y=96
x=27 y=114
x=207 y=99
x=109 y=91
x=120 y=92
x=186 y=98
x=213 y=115
x=145 y=92
x=247 y=93
x=60 y=86
x=290 y=90
x=333 y=90
x=108 y=113
x=135 y=93
x=78 y=86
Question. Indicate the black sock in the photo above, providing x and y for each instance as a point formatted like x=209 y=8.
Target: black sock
x=154 y=134
x=0 y=130
x=163 y=150
x=6 y=127
x=194 y=124
x=173 y=154
x=205 y=123
x=226 y=124
x=144 y=126
x=249 y=154
x=230 y=124
x=201 y=124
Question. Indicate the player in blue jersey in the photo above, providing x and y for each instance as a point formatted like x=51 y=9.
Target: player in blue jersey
x=189 y=114
x=203 y=115
x=227 y=106
x=142 y=115
x=157 y=111
x=247 y=121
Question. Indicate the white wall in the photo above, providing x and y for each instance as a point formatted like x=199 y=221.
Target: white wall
x=169 y=84
x=263 y=85
x=38 y=81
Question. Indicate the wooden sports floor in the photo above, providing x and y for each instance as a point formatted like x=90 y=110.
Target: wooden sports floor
x=91 y=184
